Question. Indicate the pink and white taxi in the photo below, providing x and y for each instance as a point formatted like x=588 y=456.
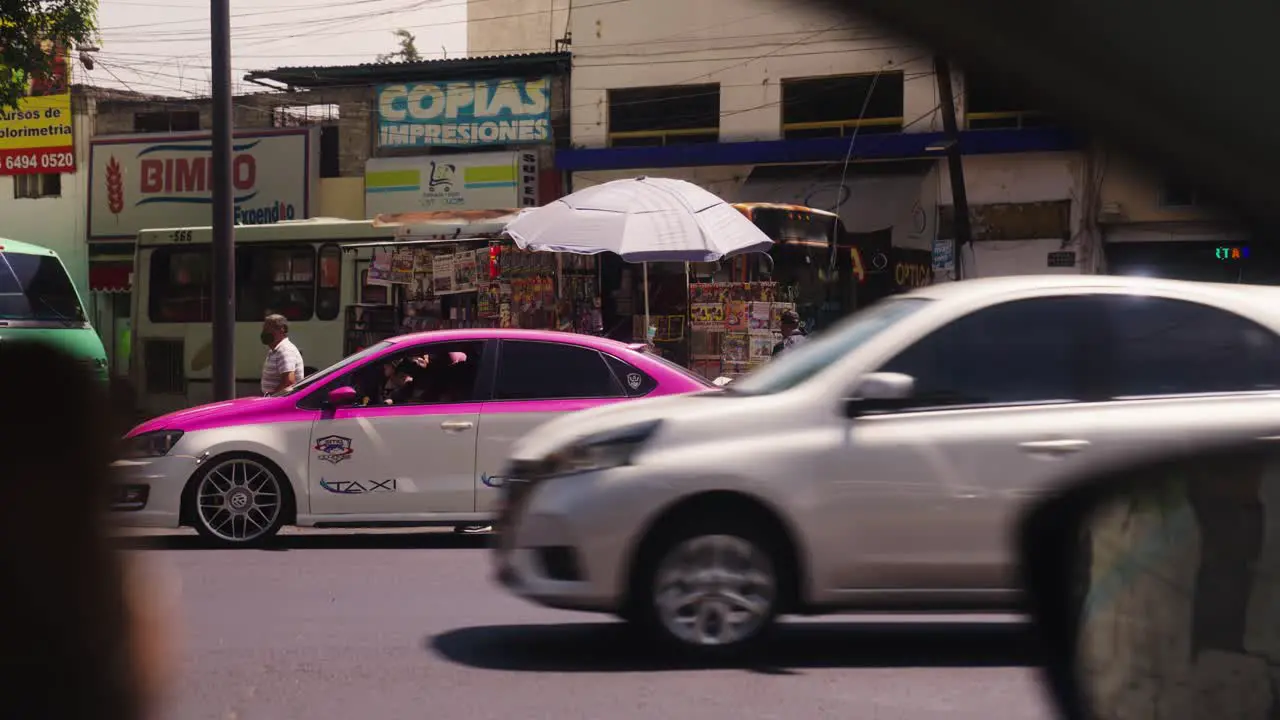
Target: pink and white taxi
x=412 y=431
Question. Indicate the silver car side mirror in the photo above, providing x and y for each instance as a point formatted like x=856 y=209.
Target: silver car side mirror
x=879 y=391
x=885 y=386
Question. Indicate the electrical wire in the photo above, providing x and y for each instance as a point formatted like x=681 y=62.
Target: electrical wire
x=749 y=41
x=271 y=31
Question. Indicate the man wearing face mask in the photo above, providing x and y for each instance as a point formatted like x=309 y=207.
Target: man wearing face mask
x=283 y=367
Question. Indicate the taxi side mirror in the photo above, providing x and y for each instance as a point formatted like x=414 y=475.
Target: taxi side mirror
x=342 y=397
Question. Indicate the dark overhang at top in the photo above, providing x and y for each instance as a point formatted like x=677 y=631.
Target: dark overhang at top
x=490 y=66
x=876 y=147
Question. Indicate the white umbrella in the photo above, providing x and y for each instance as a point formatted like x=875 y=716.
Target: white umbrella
x=642 y=219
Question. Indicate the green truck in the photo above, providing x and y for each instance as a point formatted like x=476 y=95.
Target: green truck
x=39 y=302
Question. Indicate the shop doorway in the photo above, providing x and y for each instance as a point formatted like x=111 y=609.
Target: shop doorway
x=1226 y=261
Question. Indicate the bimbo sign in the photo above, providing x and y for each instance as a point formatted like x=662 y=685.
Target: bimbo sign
x=474 y=112
x=141 y=182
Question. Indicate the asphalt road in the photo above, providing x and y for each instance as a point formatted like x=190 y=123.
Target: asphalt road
x=401 y=626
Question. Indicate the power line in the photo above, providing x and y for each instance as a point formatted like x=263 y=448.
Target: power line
x=751 y=40
x=270 y=31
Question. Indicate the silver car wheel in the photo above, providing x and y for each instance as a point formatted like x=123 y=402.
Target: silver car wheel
x=239 y=500
x=715 y=590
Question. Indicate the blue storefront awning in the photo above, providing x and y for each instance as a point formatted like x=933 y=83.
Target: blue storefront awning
x=893 y=146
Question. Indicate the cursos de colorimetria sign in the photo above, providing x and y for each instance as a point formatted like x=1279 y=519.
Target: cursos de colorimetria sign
x=138 y=182
x=464 y=114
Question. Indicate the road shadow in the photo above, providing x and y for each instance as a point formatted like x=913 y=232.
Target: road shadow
x=355 y=541
x=613 y=647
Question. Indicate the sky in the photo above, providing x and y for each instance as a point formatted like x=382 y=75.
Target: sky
x=162 y=46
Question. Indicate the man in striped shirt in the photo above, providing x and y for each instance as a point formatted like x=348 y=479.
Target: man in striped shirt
x=283 y=367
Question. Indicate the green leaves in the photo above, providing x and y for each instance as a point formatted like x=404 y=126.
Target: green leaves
x=408 y=51
x=28 y=29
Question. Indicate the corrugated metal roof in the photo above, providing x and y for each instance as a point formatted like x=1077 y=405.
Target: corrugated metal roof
x=539 y=63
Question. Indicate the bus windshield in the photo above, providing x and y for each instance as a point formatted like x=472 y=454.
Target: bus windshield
x=36 y=288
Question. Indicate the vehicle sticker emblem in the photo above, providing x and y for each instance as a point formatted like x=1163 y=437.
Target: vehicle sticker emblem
x=634 y=380
x=334 y=448
x=357 y=487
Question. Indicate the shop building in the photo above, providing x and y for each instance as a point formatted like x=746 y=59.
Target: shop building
x=448 y=139
x=503 y=27
x=304 y=147
x=46 y=208
x=1151 y=226
x=43 y=204
x=768 y=102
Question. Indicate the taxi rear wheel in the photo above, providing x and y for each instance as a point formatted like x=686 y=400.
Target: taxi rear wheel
x=239 y=500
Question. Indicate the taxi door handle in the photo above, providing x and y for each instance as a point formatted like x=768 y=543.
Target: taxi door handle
x=457 y=426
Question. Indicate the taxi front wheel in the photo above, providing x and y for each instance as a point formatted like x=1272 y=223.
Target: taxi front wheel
x=239 y=500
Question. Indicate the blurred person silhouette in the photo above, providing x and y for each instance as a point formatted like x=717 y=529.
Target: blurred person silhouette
x=83 y=634
x=792 y=332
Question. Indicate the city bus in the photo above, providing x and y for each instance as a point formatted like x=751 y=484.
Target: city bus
x=296 y=268
x=813 y=260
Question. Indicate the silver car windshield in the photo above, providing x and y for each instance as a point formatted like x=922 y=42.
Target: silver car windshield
x=804 y=361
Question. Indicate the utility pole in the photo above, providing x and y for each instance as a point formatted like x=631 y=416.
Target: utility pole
x=224 y=254
x=955 y=166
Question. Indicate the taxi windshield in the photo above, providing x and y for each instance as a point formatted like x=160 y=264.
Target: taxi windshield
x=339 y=366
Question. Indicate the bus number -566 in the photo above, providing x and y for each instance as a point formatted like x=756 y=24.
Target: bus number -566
x=180 y=236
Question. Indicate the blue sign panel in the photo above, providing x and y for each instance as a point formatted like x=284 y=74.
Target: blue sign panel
x=465 y=113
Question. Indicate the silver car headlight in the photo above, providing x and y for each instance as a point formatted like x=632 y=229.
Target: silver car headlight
x=602 y=451
x=153 y=444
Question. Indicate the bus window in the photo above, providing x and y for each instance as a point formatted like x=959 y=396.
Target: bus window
x=181 y=286
x=277 y=279
x=329 y=289
x=36 y=287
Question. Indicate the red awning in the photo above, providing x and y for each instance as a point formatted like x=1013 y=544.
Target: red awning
x=111 y=277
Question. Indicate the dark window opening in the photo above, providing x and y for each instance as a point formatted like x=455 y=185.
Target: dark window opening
x=277 y=279
x=269 y=279
x=833 y=106
x=635 y=381
x=181 y=286
x=166 y=121
x=163 y=366
x=324 y=115
x=992 y=103
x=675 y=115
x=549 y=371
x=37 y=288
x=330 y=152
x=33 y=186
x=329 y=285
x=1026 y=351
x=431 y=374
x=1177 y=195
x=1160 y=346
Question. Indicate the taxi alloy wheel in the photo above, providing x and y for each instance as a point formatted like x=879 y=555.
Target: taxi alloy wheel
x=239 y=500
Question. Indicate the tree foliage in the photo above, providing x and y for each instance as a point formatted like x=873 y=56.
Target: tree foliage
x=408 y=51
x=28 y=28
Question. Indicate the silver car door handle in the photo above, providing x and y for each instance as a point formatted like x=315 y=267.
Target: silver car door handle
x=1054 y=447
x=457 y=426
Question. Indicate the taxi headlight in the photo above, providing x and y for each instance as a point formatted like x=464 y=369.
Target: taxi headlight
x=153 y=444
x=602 y=451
